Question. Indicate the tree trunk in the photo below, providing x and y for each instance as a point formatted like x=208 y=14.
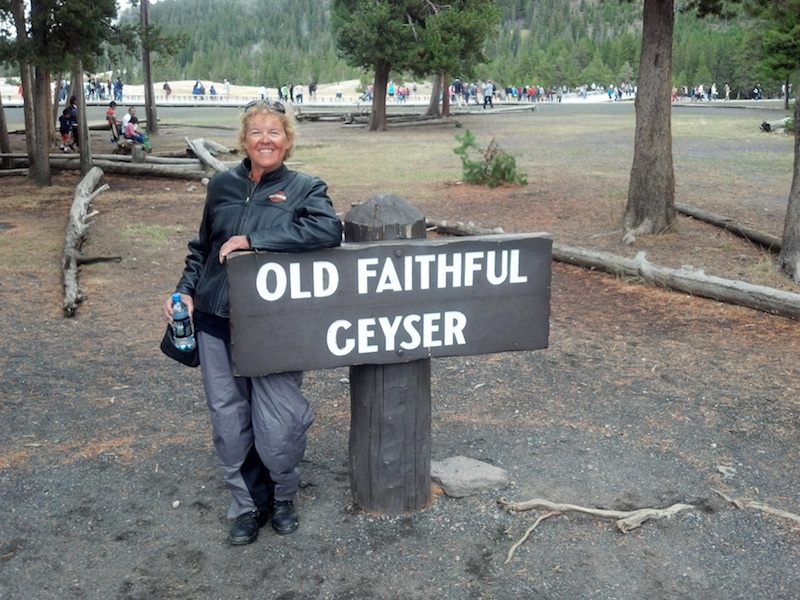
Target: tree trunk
x=36 y=92
x=83 y=125
x=5 y=141
x=55 y=105
x=651 y=195
x=786 y=95
x=789 y=257
x=445 y=94
x=433 y=104
x=26 y=72
x=377 y=118
x=42 y=128
x=149 y=96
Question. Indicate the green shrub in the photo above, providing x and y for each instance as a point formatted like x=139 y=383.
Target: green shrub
x=493 y=165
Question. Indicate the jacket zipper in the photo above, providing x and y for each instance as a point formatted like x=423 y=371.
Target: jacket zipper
x=252 y=186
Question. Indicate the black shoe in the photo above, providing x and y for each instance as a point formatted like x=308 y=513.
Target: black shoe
x=245 y=528
x=284 y=517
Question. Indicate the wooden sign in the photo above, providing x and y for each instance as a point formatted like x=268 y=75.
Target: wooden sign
x=389 y=302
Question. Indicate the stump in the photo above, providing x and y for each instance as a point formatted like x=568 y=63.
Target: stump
x=138 y=154
x=390 y=426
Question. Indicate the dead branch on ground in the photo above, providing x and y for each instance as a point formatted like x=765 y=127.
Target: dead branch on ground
x=758 y=506
x=627 y=520
x=77 y=231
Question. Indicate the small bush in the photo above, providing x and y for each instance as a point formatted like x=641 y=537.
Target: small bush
x=493 y=167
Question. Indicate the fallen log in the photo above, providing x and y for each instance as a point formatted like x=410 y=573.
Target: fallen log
x=391 y=120
x=779 y=125
x=77 y=231
x=688 y=280
x=322 y=117
x=160 y=160
x=8 y=172
x=216 y=148
x=449 y=122
x=459 y=228
x=175 y=171
x=768 y=241
x=199 y=149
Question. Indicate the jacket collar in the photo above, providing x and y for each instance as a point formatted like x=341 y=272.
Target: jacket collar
x=266 y=177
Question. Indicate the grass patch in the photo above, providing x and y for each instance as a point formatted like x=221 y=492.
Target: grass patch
x=764 y=271
x=152 y=234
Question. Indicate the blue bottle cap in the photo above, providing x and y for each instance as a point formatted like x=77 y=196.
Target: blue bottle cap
x=176 y=297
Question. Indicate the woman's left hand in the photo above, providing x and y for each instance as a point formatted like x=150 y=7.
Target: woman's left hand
x=236 y=242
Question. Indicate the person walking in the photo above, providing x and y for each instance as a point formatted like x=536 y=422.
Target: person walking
x=488 y=91
x=259 y=423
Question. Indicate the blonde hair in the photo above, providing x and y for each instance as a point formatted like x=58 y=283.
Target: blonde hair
x=265 y=107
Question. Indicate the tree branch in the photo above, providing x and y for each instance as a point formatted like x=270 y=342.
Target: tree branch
x=627 y=520
x=758 y=506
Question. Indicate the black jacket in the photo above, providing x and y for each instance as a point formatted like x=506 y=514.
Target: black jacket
x=286 y=211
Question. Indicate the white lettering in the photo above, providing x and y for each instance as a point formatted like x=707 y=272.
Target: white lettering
x=414 y=338
x=408 y=272
x=515 y=276
x=272 y=281
x=389 y=329
x=409 y=332
x=424 y=261
x=366 y=333
x=262 y=283
x=438 y=271
x=364 y=273
x=429 y=327
x=472 y=266
x=325 y=271
x=491 y=267
x=389 y=279
x=332 y=338
x=454 y=323
x=444 y=270
x=296 y=291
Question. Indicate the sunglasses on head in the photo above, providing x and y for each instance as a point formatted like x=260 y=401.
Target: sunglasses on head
x=276 y=106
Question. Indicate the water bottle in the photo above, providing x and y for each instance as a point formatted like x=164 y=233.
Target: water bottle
x=182 y=324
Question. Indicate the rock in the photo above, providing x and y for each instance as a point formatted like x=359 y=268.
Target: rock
x=460 y=476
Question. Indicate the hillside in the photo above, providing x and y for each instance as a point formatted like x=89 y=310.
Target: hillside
x=542 y=42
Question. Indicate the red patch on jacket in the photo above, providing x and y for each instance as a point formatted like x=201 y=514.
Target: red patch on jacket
x=278 y=197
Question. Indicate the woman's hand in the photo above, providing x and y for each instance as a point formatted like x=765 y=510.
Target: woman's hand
x=186 y=299
x=236 y=242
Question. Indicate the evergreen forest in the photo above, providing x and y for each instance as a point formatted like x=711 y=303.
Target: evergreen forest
x=539 y=42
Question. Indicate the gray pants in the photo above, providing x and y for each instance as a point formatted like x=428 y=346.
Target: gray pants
x=259 y=427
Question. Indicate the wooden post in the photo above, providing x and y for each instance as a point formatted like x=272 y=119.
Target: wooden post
x=390 y=422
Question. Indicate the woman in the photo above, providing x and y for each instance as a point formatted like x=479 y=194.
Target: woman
x=132 y=130
x=259 y=424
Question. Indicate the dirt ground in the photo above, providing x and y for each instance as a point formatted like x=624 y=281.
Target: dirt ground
x=645 y=397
